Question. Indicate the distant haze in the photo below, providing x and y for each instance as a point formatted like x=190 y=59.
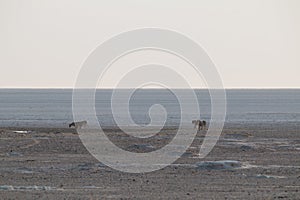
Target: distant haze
x=254 y=43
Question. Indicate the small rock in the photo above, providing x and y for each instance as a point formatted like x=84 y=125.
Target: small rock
x=219 y=165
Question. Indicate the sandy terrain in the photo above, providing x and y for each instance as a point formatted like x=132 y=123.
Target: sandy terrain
x=254 y=161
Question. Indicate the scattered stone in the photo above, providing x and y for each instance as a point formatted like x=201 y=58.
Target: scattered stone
x=85 y=166
x=239 y=136
x=24 y=170
x=219 y=165
x=142 y=147
x=14 y=153
x=246 y=147
x=268 y=176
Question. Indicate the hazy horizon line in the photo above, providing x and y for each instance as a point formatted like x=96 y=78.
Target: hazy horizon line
x=226 y=88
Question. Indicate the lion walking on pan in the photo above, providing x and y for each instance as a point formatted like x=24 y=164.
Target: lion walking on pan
x=200 y=125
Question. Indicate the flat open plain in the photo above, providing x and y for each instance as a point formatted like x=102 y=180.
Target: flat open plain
x=250 y=161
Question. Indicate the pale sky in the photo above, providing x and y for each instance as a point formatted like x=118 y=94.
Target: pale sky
x=254 y=43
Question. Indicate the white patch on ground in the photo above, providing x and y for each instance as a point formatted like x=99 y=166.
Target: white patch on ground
x=219 y=165
x=26 y=188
